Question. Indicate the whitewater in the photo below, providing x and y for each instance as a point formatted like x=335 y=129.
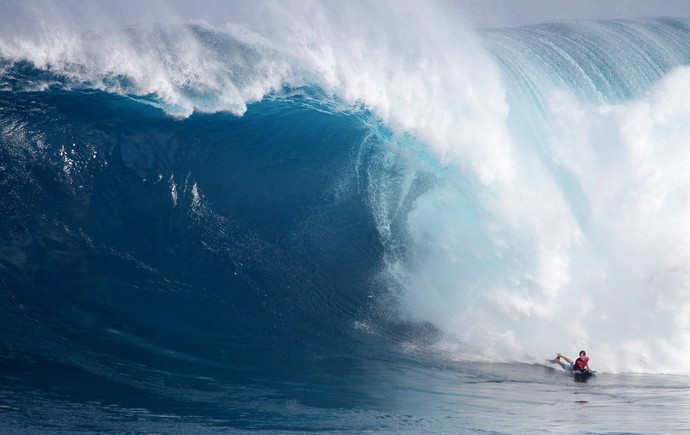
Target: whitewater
x=348 y=218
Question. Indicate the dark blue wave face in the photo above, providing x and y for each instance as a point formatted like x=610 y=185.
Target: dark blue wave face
x=216 y=246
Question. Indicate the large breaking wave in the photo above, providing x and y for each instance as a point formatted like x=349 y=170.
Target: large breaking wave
x=326 y=177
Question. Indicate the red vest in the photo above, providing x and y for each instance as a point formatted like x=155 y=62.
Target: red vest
x=580 y=364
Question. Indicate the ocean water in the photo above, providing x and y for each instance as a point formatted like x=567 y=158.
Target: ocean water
x=317 y=218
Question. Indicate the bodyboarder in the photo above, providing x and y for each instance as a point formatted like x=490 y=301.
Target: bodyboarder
x=581 y=364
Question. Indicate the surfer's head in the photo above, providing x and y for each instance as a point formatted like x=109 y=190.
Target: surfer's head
x=583 y=353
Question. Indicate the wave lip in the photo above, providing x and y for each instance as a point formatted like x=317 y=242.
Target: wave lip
x=182 y=68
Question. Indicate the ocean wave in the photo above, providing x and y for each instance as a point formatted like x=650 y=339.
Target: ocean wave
x=496 y=188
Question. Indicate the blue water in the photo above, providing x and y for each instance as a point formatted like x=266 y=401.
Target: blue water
x=212 y=229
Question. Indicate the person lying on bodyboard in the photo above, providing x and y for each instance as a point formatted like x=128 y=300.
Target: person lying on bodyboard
x=579 y=366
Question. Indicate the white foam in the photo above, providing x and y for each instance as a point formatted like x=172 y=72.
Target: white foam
x=536 y=272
